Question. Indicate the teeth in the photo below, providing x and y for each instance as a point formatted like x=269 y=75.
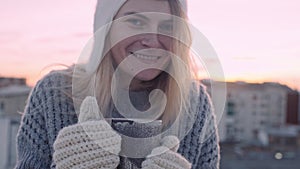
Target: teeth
x=141 y=56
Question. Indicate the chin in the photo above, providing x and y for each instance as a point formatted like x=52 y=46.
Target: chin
x=148 y=75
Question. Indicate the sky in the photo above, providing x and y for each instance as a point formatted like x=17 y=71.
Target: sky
x=256 y=40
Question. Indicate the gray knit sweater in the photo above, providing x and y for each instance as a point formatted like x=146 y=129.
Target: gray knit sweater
x=49 y=109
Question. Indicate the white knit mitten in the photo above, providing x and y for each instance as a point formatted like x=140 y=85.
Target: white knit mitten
x=89 y=144
x=165 y=156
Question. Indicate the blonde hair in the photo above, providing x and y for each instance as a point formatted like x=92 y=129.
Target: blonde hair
x=176 y=88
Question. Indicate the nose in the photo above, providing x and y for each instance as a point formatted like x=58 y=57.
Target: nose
x=151 y=40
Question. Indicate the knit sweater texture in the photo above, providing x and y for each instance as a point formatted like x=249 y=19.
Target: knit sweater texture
x=50 y=108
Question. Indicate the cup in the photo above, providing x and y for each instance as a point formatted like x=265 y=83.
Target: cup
x=138 y=140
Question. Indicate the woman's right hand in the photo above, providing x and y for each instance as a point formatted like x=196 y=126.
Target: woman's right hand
x=91 y=143
x=166 y=156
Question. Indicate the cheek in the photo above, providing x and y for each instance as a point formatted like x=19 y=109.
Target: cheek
x=119 y=51
x=115 y=54
x=122 y=49
x=166 y=41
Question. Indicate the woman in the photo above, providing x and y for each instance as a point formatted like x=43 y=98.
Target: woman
x=144 y=49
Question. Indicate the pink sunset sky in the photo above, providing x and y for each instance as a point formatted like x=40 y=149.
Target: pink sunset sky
x=256 y=40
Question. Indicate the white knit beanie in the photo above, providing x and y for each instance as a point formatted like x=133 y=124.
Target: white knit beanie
x=105 y=12
x=107 y=9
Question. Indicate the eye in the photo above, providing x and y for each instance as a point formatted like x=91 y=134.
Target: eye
x=136 y=22
x=166 y=28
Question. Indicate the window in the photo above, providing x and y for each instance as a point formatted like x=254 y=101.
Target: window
x=1 y=107
x=230 y=109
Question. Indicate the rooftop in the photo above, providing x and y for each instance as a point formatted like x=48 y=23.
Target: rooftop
x=14 y=90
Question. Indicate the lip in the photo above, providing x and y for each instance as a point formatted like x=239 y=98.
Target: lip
x=145 y=56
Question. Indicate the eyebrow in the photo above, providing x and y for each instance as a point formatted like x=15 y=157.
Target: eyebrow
x=136 y=14
x=141 y=16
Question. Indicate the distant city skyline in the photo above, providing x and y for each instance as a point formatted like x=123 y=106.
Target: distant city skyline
x=256 y=41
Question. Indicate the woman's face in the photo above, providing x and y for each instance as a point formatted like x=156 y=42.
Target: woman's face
x=147 y=46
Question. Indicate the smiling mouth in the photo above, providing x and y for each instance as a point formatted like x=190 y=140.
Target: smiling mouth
x=145 y=57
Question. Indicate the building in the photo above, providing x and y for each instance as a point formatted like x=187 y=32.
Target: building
x=8 y=81
x=13 y=99
x=251 y=108
x=12 y=103
x=293 y=108
x=285 y=138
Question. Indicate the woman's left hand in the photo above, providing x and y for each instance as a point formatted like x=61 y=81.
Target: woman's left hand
x=166 y=156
